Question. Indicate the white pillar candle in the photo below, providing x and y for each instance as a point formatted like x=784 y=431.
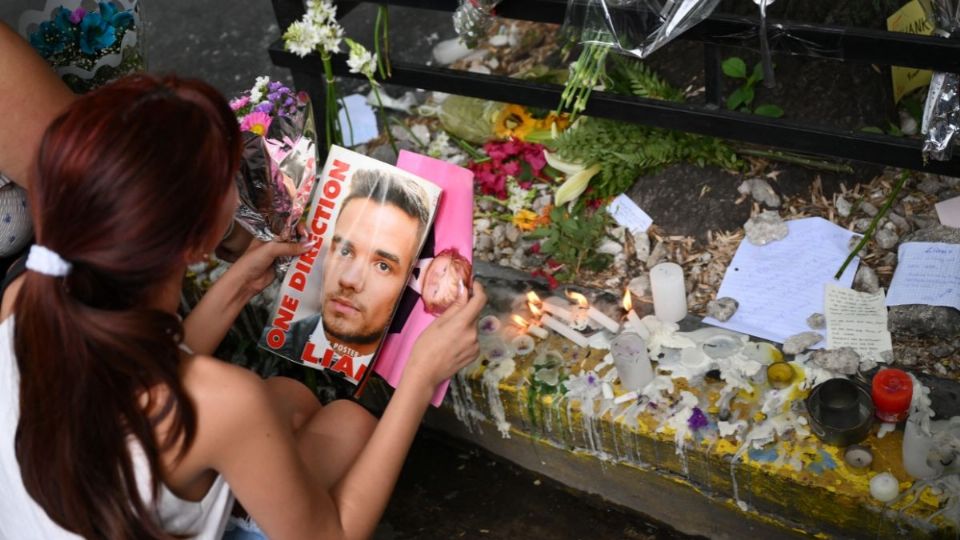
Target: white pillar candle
x=607 y=390
x=633 y=365
x=601 y=318
x=538 y=331
x=623 y=398
x=884 y=487
x=669 y=292
x=559 y=327
x=559 y=312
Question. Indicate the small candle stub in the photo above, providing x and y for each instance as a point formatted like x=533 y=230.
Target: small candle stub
x=884 y=487
x=858 y=457
x=892 y=391
x=780 y=374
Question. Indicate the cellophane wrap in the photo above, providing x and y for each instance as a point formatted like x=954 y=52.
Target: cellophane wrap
x=941 y=114
x=472 y=20
x=277 y=174
x=635 y=27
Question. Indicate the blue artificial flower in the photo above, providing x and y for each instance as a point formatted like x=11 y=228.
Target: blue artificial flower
x=114 y=17
x=49 y=39
x=95 y=34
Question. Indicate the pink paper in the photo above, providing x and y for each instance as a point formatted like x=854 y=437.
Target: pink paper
x=452 y=228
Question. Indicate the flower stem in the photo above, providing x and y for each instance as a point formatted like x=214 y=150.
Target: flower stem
x=383 y=116
x=378 y=23
x=469 y=149
x=406 y=128
x=868 y=234
x=331 y=120
x=346 y=114
x=386 y=39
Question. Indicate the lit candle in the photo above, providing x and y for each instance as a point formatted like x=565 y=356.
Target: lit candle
x=559 y=327
x=884 y=487
x=593 y=313
x=530 y=327
x=892 y=391
x=561 y=313
x=633 y=365
x=633 y=321
x=669 y=292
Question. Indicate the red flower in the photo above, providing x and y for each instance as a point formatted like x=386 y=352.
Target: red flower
x=551 y=281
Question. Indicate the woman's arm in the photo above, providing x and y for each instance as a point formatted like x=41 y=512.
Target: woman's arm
x=208 y=322
x=33 y=96
x=281 y=480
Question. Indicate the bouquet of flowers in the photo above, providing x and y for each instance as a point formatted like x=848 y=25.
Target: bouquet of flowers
x=87 y=48
x=279 y=164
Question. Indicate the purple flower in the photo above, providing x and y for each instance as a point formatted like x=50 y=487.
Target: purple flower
x=77 y=15
x=591 y=379
x=697 y=419
x=264 y=107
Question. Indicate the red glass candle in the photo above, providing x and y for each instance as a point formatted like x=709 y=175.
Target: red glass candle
x=892 y=392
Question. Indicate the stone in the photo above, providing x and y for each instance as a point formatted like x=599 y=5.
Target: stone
x=925 y=221
x=640 y=285
x=499 y=234
x=868 y=208
x=481 y=225
x=844 y=360
x=518 y=260
x=798 y=343
x=506 y=251
x=610 y=247
x=861 y=225
x=902 y=224
x=930 y=185
x=761 y=191
x=766 y=227
x=908 y=124
x=886 y=239
x=844 y=207
x=641 y=244
x=947 y=194
x=484 y=244
x=923 y=320
x=941 y=350
x=889 y=259
x=722 y=309
x=542 y=202
x=866 y=280
x=852 y=245
x=817 y=321
x=937 y=233
x=512 y=232
x=658 y=255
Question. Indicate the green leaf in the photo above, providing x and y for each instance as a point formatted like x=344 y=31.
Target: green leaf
x=757 y=74
x=734 y=67
x=872 y=129
x=769 y=110
x=894 y=130
x=740 y=96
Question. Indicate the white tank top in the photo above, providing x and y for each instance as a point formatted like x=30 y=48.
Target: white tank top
x=21 y=518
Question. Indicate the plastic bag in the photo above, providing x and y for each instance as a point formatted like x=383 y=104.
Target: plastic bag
x=472 y=20
x=941 y=114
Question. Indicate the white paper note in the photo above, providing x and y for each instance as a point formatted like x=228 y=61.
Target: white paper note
x=363 y=121
x=780 y=284
x=628 y=215
x=857 y=320
x=927 y=273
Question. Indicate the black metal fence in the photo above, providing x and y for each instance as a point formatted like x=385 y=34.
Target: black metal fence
x=831 y=42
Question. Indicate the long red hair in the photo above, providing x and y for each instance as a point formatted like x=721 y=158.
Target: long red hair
x=130 y=179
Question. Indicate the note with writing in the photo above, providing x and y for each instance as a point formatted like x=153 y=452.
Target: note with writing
x=780 y=284
x=628 y=215
x=927 y=273
x=857 y=320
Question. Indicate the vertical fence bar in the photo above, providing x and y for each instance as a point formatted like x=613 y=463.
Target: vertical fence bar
x=712 y=74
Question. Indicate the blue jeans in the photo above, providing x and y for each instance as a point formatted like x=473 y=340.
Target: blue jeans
x=243 y=529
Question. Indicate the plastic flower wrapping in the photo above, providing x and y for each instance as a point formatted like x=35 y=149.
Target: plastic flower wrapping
x=279 y=165
x=941 y=115
x=472 y=19
x=87 y=47
x=635 y=27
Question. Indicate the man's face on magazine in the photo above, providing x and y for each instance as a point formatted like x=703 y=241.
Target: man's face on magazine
x=366 y=269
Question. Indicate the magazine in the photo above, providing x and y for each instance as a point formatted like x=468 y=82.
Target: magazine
x=444 y=270
x=369 y=221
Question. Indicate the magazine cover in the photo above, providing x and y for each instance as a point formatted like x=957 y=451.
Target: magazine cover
x=369 y=221
x=445 y=268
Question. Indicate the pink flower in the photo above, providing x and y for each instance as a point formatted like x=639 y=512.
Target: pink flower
x=239 y=103
x=256 y=122
x=511 y=168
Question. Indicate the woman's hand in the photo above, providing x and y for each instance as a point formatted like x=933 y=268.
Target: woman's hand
x=449 y=343
x=253 y=271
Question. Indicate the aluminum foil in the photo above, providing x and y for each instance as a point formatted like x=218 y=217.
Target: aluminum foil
x=635 y=27
x=472 y=20
x=941 y=114
x=277 y=174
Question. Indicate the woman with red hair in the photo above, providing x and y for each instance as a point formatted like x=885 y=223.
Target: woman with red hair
x=118 y=423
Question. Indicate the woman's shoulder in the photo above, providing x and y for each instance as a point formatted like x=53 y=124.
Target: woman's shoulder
x=213 y=383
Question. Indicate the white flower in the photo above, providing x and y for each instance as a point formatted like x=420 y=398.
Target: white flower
x=256 y=93
x=329 y=37
x=360 y=59
x=319 y=12
x=301 y=38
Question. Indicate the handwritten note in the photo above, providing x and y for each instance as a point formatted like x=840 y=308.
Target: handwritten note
x=927 y=273
x=857 y=320
x=628 y=215
x=780 y=284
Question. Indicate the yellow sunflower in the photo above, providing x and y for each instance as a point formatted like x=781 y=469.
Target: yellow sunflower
x=514 y=121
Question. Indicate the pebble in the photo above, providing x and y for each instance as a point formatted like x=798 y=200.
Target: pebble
x=941 y=350
x=930 y=185
x=869 y=209
x=902 y=224
x=844 y=207
x=766 y=227
x=542 y=202
x=925 y=222
x=761 y=191
x=657 y=256
x=817 y=321
x=641 y=244
x=512 y=232
x=722 y=309
x=889 y=259
x=484 y=244
x=610 y=247
x=947 y=194
x=640 y=285
x=844 y=360
x=498 y=234
x=798 y=343
x=481 y=225
x=861 y=225
x=499 y=40
x=866 y=280
x=886 y=239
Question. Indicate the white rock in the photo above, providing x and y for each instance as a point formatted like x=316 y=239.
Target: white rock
x=500 y=40
x=641 y=243
x=610 y=247
x=761 y=191
x=766 y=227
x=449 y=51
x=640 y=285
x=866 y=280
x=798 y=343
x=844 y=207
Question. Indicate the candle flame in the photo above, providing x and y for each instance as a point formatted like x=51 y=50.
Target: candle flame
x=532 y=298
x=535 y=310
x=519 y=321
x=627 y=300
x=580 y=299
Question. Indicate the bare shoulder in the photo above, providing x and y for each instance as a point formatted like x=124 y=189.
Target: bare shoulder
x=223 y=390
